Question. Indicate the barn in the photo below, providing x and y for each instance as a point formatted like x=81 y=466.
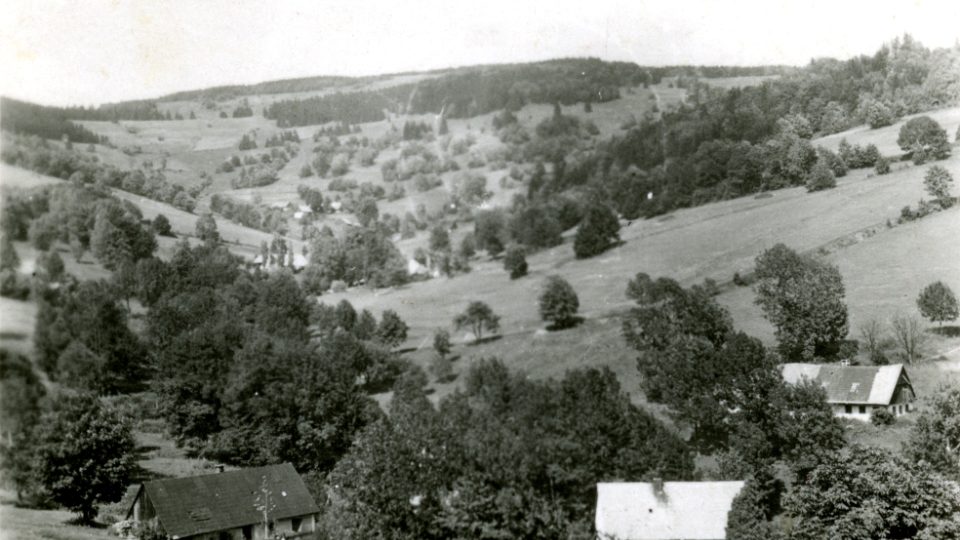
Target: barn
x=856 y=391
x=228 y=505
x=664 y=510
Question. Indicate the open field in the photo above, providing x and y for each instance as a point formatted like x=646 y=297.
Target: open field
x=689 y=245
x=737 y=82
x=17 y=318
x=883 y=268
x=29 y=524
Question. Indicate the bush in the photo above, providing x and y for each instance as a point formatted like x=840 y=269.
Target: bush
x=821 y=177
x=442 y=368
x=161 y=225
x=882 y=166
x=338 y=285
x=515 y=262
x=882 y=417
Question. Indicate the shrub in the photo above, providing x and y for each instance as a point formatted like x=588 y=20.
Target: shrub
x=306 y=171
x=559 y=302
x=599 y=231
x=338 y=286
x=161 y=225
x=937 y=182
x=515 y=262
x=821 y=177
x=882 y=166
x=442 y=368
x=882 y=417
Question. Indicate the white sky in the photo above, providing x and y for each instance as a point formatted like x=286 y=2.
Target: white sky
x=94 y=51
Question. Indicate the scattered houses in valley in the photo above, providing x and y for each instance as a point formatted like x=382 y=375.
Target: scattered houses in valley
x=664 y=510
x=856 y=391
x=247 y=504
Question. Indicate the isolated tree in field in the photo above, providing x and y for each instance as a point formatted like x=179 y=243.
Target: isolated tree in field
x=392 y=330
x=441 y=342
x=515 y=261
x=937 y=183
x=83 y=455
x=821 y=177
x=161 y=226
x=803 y=299
x=558 y=302
x=935 y=438
x=938 y=303
x=924 y=139
x=9 y=260
x=909 y=335
x=206 y=229
x=598 y=232
x=478 y=317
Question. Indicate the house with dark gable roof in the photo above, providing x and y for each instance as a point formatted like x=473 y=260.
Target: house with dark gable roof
x=855 y=391
x=247 y=504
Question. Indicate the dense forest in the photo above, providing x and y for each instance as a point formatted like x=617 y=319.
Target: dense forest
x=724 y=143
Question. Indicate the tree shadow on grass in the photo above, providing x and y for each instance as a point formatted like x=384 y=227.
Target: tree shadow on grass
x=483 y=340
x=946 y=331
x=77 y=522
x=572 y=323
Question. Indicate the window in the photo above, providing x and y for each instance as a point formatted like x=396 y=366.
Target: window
x=295 y=524
x=847 y=409
x=863 y=409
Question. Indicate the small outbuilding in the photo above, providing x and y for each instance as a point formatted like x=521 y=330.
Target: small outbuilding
x=664 y=510
x=247 y=504
x=856 y=391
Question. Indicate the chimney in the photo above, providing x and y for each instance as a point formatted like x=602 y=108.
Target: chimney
x=658 y=491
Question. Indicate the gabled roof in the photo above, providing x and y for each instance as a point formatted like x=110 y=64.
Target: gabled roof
x=869 y=385
x=681 y=511
x=214 y=502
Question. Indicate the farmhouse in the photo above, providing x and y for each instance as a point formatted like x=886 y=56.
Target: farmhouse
x=664 y=510
x=228 y=505
x=855 y=391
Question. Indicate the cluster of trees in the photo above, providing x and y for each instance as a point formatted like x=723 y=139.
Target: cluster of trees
x=47 y=158
x=242 y=110
x=504 y=457
x=364 y=255
x=250 y=215
x=24 y=118
x=350 y=108
x=727 y=143
x=278 y=139
x=416 y=130
x=263 y=172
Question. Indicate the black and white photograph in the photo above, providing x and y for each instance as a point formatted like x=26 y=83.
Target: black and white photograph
x=479 y=270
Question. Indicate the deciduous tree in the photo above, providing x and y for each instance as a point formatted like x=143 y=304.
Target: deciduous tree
x=803 y=298
x=478 y=317
x=938 y=303
x=924 y=139
x=558 y=302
